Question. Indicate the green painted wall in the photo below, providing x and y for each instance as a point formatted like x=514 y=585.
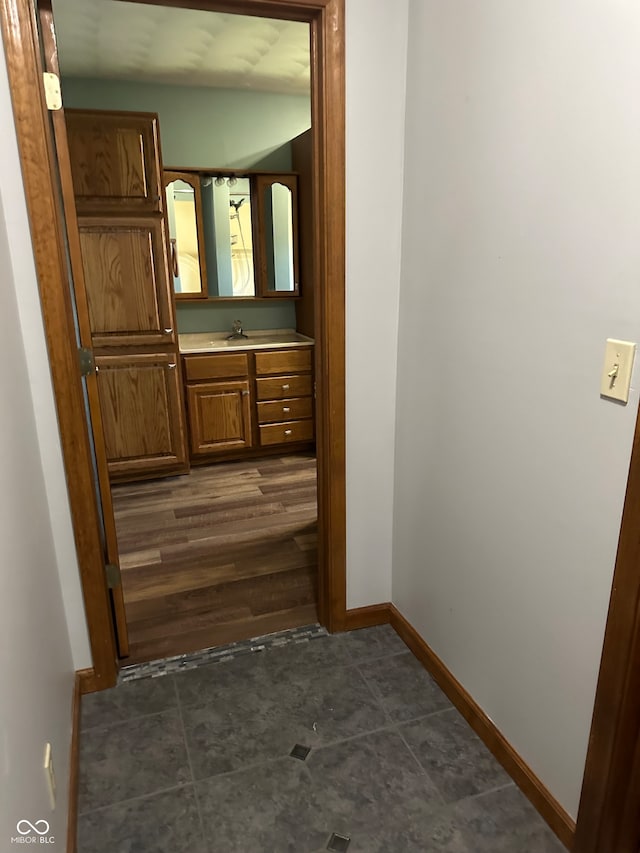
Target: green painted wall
x=211 y=128
x=218 y=316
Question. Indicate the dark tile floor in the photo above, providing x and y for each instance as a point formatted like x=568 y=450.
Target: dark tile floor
x=199 y=761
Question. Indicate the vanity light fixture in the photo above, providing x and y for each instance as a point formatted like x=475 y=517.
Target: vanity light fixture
x=219 y=181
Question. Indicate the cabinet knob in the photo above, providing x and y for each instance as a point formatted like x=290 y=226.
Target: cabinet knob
x=288 y=432
x=286 y=409
x=245 y=393
x=285 y=387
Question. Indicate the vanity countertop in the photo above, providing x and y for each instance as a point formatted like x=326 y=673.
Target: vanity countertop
x=256 y=339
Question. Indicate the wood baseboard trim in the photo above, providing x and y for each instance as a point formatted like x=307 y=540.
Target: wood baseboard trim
x=74 y=767
x=524 y=777
x=367 y=617
x=87 y=681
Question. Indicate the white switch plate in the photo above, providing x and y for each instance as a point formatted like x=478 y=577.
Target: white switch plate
x=616 y=373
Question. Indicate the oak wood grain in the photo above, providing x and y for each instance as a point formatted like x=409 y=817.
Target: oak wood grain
x=114 y=161
x=140 y=400
x=219 y=416
x=126 y=275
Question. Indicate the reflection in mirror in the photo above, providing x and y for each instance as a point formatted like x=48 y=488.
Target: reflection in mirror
x=280 y=258
x=278 y=235
x=229 y=235
x=187 y=261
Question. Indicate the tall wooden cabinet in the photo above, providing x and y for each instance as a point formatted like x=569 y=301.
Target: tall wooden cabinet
x=117 y=169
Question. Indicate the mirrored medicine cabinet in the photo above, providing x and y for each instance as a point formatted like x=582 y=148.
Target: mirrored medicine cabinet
x=232 y=236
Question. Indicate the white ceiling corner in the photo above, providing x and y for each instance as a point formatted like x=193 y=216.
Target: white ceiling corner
x=186 y=47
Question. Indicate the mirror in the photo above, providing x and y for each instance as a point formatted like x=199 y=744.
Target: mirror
x=228 y=229
x=278 y=234
x=186 y=243
x=233 y=236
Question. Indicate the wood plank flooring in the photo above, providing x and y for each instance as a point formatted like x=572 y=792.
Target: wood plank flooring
x=226 y=552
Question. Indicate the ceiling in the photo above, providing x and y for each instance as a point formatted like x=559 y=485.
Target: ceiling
x=185 y=47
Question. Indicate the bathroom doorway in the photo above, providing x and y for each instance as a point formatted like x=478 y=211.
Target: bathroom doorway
x=39 y=169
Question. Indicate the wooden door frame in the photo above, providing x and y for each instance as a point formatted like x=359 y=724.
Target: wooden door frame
x=38 y=159
x=609 y=813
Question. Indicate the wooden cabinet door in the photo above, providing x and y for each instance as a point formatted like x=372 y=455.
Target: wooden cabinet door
x=115 y=161
x=140 y=399
x=219 y=416
x=127 y=282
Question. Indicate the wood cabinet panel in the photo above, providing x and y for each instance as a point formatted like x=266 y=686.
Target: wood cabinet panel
x=275 y=411
x=114 y=161
x=142 y=415
x=219 y=416
x=283 y=361
x=279 y=387
x=283 y=433
x=216 y=366
x=126 y=279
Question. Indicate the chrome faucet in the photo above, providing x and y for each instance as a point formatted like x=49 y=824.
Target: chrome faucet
x=236 y=331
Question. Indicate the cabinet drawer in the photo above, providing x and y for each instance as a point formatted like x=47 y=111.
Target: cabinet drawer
x=198 y=367
x=285 y=432
x=280 y=410
x=277 y=388
x=283 y=361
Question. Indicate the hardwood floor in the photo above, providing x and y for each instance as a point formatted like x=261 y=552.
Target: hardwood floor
x=226 y=552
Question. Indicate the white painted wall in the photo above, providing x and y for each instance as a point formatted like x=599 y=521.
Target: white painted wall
x=520 y=256
x=36 y=664
x=30 y=318
x=376 y=50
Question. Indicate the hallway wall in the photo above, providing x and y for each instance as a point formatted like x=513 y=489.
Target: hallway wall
x=520 y=257
x=376 y=37
x=36 y=663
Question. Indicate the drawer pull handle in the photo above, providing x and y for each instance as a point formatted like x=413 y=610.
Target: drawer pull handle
x=285 y=387
x=245 y=393
x=286 y=408
x=168 y=331
x=172 y=365
x=288 y=431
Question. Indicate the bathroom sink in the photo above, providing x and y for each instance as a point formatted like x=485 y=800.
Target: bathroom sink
x=260 y=339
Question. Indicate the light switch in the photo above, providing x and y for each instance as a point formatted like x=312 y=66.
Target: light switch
x=616 y=373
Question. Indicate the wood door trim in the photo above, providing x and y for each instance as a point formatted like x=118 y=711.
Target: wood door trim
x=609 y=813
x=19 y=28
x=84 y=328
x=326 y=19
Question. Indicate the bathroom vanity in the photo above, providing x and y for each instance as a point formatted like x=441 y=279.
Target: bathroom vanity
x=248 y=394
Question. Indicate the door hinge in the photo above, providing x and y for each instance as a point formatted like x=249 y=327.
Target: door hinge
x=114 y=577
x=52 y=93
x=87 y=361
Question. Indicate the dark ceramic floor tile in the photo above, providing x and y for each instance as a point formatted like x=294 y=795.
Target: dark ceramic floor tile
x=223 y=681
x=242 y=728
x=403 y=686
x=504 y=822
x=162 y=823
x=131 y=759
x=368 y=643
x=371 y=786
x=268 y=809
x=135 y=699
x=434 y=834
x=453 y=755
